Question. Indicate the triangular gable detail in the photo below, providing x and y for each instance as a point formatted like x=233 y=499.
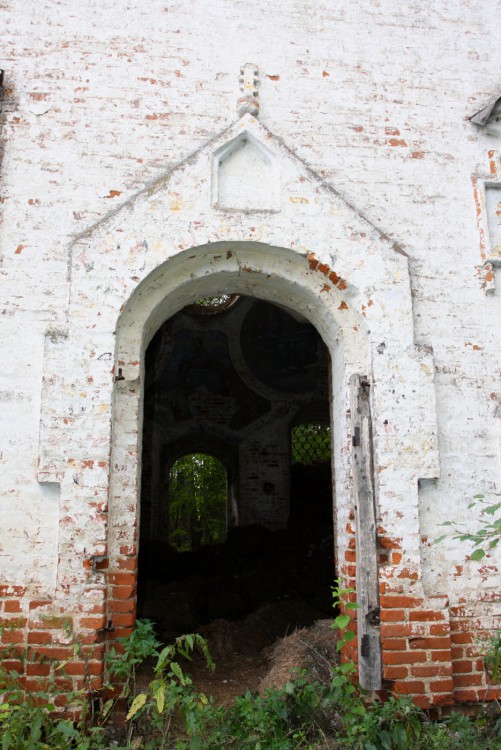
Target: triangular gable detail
x=246 y=169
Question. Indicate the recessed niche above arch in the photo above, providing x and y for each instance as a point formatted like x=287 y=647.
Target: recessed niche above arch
x=246 y=176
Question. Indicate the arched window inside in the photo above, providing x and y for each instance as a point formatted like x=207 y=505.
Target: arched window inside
x=197 y=502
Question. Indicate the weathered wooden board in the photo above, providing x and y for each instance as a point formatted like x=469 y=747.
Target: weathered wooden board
x=369 y=636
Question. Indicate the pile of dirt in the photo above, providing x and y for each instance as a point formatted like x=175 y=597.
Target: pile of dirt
x=312 y=650
x=260 y=629
x=265 y=650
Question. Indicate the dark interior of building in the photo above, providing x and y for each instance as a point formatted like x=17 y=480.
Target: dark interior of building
x=236 y=508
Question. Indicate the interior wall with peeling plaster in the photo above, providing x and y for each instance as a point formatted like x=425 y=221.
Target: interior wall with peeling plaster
x=101 y=100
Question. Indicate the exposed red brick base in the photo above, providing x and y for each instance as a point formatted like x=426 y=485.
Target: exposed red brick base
x=429 y=650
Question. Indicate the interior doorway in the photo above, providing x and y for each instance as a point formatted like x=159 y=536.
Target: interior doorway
x=197 y=499
x=236 y=529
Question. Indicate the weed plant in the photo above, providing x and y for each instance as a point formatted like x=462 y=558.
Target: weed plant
x=171 y=715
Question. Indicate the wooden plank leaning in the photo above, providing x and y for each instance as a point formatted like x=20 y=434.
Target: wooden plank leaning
x=369 y=636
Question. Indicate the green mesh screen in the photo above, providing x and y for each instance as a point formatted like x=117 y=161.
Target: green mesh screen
x=311 y=443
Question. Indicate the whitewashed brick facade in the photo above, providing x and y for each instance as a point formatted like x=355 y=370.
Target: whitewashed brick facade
x=130 y=187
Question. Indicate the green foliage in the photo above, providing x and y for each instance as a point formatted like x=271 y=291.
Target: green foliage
x=487 y=536
x=484 y=539
x=26 y=722
x=467 y=733
x=305 y=715
x=394 y=725
x=170 y=694
x=140 y=645
x=287 y=719
x=340 y=600
x=492 y=657
x=170 y=715
x=197 y=501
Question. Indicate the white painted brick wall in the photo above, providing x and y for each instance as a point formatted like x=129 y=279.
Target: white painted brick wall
x=102 y=98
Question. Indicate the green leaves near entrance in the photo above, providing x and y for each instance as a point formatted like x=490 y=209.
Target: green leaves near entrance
x=169 y=713
x=488 y=532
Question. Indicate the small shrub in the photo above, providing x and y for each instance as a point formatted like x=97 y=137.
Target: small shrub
x=27 y=722
x=171 y=715
x=488 y=535
x=484 y=539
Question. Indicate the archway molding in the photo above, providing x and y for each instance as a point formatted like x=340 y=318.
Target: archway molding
x=172 y=243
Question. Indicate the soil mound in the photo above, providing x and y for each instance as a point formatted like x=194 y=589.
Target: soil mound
x=312 y=650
